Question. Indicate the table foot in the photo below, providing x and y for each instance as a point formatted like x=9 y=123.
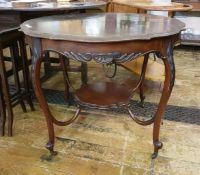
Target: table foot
x=50 y=147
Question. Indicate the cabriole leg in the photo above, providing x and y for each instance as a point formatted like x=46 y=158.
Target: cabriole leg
x=167 y=89
x=37 y=59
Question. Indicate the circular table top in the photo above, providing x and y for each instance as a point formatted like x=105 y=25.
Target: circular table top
x=50 y=6
x=102 y=27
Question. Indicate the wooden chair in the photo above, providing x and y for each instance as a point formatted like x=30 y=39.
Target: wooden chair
x=11 y=38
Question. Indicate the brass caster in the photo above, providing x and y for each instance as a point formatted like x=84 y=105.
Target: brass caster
x=158 y=145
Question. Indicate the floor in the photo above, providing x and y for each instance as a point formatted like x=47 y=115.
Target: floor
x=109 y=143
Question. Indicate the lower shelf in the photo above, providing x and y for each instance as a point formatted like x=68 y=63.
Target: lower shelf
x=103 y=95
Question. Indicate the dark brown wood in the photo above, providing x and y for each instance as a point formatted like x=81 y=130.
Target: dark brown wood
x=13 y=39
x=36 y=65
x=104 y=48
x=15 y=62
x=25 y=72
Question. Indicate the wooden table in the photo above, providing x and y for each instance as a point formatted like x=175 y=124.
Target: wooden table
x=10 y=13
x=107 y=38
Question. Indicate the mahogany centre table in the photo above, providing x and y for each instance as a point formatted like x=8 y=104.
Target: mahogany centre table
x=107 y=38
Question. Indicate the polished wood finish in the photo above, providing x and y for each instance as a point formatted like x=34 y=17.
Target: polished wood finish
x=112 y=39
x=112 y=27
x=103 y=94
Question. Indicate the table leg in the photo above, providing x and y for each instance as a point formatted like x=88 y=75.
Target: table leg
x=36 y=65
x=167 y=89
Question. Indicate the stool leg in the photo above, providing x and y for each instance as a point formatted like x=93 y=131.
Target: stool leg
x=2 y=112
x=6 y=94
x=144 y=67
x=26 y=74
x=15 y=65
x=66 y=92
